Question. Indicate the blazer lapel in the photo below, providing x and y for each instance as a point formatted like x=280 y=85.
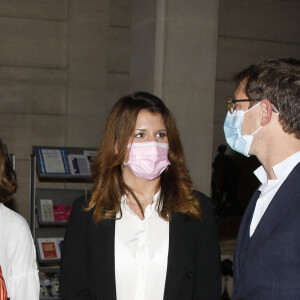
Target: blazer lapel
x=282 y=202
x=243 y=235
x=176 y=257
x=104 y=266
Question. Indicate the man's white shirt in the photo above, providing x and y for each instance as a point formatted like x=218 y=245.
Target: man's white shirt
x=269 y=188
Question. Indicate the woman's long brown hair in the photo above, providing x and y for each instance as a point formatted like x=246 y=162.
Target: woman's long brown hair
x=109 y=186
x=8 y=180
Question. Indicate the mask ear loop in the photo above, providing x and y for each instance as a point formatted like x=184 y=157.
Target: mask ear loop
x=255 y=132
x=252 y=107
x=274 y=109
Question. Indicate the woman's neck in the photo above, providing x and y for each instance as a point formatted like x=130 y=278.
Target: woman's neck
x=142 y=188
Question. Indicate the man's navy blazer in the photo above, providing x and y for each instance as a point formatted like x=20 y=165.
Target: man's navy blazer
x=193 y=272
x=267 y=265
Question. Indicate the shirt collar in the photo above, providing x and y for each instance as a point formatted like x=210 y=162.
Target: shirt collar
x=281 y=170
x=155 y=198
x=148 y=211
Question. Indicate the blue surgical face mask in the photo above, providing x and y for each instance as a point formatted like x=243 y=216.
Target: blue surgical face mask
x=238 y=142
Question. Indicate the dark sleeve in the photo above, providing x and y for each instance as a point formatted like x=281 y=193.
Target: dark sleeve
x=208 y=254
x=74 y=283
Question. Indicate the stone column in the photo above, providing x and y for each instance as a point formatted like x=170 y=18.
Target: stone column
x=173 y=55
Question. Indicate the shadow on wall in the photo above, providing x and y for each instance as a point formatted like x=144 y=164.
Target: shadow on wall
x=233 y=182
x=232 y=186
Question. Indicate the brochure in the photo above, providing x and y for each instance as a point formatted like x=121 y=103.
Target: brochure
x=79 y=164
x=50 y=248
x=53 y=161
x=59 y=212
x=47 y=210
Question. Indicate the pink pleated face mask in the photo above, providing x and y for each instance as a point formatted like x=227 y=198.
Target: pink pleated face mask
x=148 y=160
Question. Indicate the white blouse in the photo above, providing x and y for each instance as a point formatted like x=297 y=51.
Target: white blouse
x=141 y=254
x=18 y=257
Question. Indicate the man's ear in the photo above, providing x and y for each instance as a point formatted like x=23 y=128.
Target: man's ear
x=266 y=112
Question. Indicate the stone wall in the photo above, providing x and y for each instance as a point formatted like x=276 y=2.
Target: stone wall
x=248 y=32
x=63 y=63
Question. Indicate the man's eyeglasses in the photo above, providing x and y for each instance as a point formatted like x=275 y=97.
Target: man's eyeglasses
x=231 y=104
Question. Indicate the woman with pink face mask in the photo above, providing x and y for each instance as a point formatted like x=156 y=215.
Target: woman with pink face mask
x=143 y=233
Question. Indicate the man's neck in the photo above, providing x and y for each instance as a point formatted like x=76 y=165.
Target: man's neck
x=276 y=154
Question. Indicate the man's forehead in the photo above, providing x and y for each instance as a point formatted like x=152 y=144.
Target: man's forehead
x=240 y=92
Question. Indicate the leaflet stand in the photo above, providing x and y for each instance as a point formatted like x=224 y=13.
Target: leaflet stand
x=51 y=208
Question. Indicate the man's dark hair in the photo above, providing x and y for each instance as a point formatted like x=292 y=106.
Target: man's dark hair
x=277 y=80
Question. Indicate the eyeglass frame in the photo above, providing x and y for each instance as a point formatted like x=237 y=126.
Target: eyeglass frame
x=231 y=101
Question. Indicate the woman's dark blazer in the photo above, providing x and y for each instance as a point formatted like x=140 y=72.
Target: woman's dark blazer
x=88 y=269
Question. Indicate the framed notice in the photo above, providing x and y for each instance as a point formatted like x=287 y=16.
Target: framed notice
x=50 y=248
x=53 y=161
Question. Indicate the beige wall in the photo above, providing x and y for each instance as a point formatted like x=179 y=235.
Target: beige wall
x=248 y=32
x=63 y=63
x=173 y=54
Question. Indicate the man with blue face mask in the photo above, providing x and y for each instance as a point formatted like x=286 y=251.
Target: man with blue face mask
x=263 y=120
